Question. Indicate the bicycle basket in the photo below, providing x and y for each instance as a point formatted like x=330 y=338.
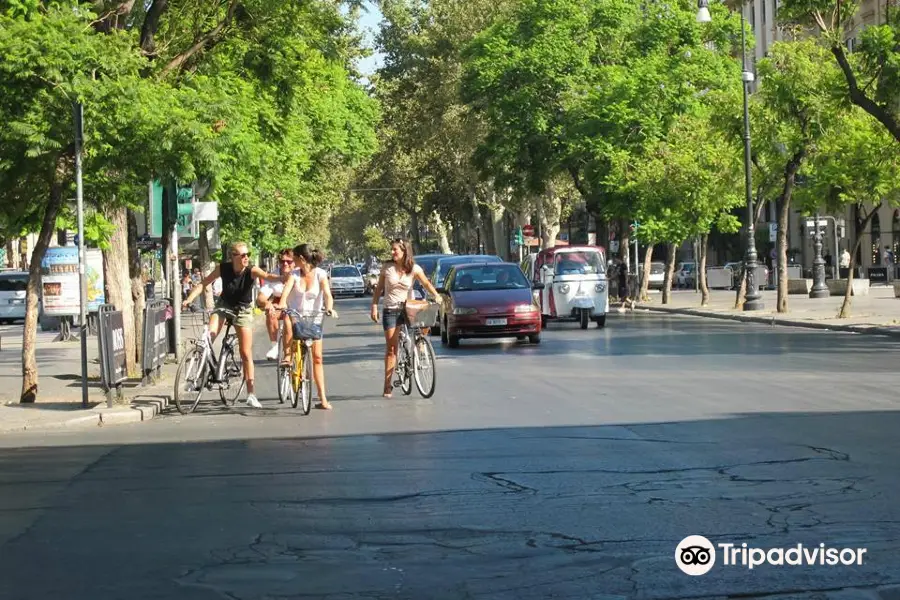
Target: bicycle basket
x=420 y=313
x=308 y=327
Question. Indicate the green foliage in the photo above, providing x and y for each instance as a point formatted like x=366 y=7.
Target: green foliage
x=858 y=161
x=265 y=110
x=376 y=243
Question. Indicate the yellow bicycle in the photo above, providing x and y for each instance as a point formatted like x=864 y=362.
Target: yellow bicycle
x=295 y=379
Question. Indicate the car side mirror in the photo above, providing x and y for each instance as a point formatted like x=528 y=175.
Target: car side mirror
x=441 y=290
x=537 y=286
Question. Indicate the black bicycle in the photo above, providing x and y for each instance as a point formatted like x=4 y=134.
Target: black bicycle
x=201 y=370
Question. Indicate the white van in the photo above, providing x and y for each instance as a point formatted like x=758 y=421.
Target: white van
x=13 y=287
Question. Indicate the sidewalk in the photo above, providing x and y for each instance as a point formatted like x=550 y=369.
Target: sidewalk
x=59 y=389
x=877 y=313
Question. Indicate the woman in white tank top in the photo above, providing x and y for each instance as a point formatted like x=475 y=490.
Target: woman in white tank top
x=307 y=292
x=396 y=283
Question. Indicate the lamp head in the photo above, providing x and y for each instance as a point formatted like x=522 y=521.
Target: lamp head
x=703 y=15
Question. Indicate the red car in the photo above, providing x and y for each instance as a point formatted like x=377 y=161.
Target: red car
x=488 y=300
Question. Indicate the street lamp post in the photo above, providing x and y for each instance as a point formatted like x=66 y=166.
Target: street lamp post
x=753 y=299
x=819 y=289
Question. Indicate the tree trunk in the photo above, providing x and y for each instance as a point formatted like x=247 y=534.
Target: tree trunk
x=625 y=242
x=860 y=228
x=701 y=270
x=498 y=237
x=441 y=229
x=206 y=265
x=645 y=277
x=137 y=287
x=550 y=206
x=118 y=282
x=29 y=335
x=782 y=244
x=670 y=272
x=414 y=226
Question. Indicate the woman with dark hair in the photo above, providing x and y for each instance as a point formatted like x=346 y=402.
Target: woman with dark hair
x=396 y=283
x=308 y=292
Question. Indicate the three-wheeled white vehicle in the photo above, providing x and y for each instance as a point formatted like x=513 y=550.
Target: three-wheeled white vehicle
x=575 y=284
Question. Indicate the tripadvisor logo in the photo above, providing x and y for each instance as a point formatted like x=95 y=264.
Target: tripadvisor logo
x=696 y=555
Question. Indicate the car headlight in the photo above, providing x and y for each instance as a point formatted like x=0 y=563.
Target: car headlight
x=600 y=287
x=564 y=288
x=525 y=308
x=465 y=311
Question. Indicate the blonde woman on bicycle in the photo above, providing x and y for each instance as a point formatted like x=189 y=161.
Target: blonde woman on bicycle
x=396 y=283
x=308 y=292
x=237 y=296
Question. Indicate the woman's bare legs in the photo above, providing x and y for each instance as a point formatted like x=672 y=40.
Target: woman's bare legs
x=319 y=374
x=391 y=341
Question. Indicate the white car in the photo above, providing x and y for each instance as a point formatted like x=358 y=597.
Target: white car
x=657 y=275
x=346 y=280
x=13 y=287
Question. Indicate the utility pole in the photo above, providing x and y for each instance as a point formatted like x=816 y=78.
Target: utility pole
x=82 y=280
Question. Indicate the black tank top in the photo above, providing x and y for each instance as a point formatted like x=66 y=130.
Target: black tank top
x=237 y=289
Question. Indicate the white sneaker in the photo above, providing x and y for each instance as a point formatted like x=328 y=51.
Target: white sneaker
x=252 y=402
x=273 y=353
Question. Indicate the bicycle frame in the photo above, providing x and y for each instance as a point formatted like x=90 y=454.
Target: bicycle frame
x=216 y=364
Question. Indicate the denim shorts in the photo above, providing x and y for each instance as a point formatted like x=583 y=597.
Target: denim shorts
x=392 y=317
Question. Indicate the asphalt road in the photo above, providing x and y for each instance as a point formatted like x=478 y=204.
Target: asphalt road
x=571 y=469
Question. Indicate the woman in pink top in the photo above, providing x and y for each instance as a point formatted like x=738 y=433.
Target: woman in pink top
x=396 y=282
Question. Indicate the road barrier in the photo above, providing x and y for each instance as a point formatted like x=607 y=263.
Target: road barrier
x=156 y=340
x=111 y=338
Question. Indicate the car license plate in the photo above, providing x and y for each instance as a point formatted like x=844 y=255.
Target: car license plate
x=495 y=322
x=17 y=301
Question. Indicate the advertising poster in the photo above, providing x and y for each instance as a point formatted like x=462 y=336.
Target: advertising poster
x=96 y=295
x=59 y=281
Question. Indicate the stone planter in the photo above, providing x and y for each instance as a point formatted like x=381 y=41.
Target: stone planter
x=799 y=286
x=838 y=287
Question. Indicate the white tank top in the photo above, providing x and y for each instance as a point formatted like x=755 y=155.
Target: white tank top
x=308 y=301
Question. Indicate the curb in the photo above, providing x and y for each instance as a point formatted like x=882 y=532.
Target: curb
x=863 y=329
x=141 y=409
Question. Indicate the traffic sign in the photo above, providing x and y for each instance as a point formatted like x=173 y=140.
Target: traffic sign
x=528 y=230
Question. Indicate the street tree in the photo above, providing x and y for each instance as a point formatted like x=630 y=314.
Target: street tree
x=857 y=165
x=796 y=94
x=253 y=96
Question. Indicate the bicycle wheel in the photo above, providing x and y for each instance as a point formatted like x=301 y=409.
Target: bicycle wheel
x=424 y=367
x=285 y=390
x=234 y=383
x=404 y=367
x=296 y=374
x=190 y=379
x=306 y=390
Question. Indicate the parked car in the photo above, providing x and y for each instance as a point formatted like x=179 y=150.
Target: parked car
x=657 y=275
x=346 y=280
x=443 y=265
x=488 y=300
x=13 y=288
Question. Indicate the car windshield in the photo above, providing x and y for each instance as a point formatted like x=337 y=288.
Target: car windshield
x=687 y=268
x=444 y=266
x=579 y=263
x=13 y=284
x=489 y=277
x=344 y=272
